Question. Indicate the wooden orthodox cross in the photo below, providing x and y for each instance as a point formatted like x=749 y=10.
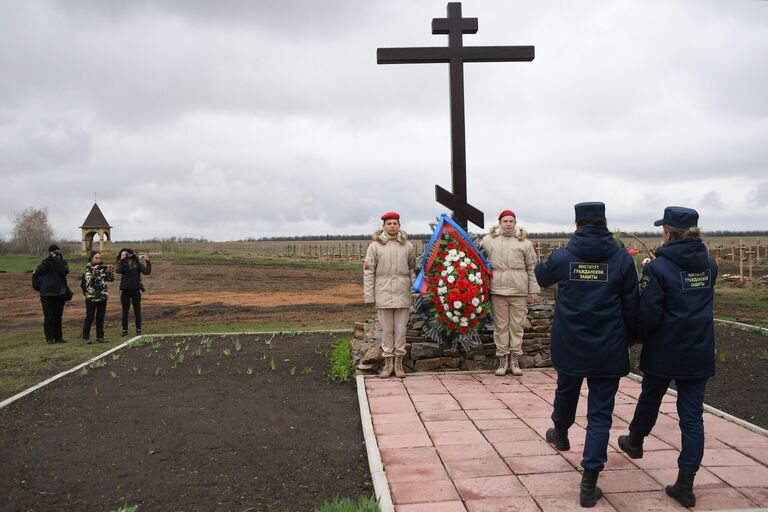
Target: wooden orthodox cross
x=456 y=54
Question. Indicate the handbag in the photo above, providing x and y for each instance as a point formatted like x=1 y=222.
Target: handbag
x=68 y=294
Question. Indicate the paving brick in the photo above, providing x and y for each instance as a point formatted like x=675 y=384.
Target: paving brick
x=397 y=473
x=423 y=492
x=721 y=499
x=758 y=495
x=422 y=455
x=388 y=429
x=481 y=404
x=627 y=480
x=509 y=435
x=404 y=440
x=725 y=457
x=410 y=417
x=464 y=437
x=499 y=424
x=537 y=464
x=489 y=487
x=650 y=501
x=450 y=426
x=523 y=448
x=570 y=503
x=490 y=414
x=437 y=406
x=658 y=460
x=474 y=468
x=466 y=451
x=443 y=506
x=742 y=476
x=552 y=484
x=704 y=478
x=507 y=504
x=443 y=416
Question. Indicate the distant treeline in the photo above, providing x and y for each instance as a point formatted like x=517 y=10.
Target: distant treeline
x=542 y=236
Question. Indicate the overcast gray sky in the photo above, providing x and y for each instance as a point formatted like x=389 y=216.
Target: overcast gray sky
x=243 y=118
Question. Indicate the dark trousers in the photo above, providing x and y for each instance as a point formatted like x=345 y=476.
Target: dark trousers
x=600 y=401
x=94 y=310
x=690 y=408
x=53 y=310
x=126 y=299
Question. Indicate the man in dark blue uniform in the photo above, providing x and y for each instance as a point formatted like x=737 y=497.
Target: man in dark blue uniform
x=594 y=318
x=676 y=327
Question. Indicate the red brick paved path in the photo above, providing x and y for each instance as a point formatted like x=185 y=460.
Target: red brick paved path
x=475 y=442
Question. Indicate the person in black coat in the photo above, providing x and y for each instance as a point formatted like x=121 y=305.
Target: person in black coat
x=50 y=279
x=131 y=266
x=594 y=319
x=676 y=327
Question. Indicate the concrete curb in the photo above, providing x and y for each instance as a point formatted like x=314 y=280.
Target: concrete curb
x=717 y=412
x=742 y=326
x=9 y=401
x=247 y=333
x=378 y=476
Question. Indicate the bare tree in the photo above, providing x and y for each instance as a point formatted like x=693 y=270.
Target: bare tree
x=31 y=232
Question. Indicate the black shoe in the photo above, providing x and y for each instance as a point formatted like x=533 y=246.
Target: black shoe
x=682 y=491
x=50 y=342
x=590 y=492
x=558 y=439
x=138 y=332
x=632 y=446
x=125 y=333
x=100 y=340
x=87 y=341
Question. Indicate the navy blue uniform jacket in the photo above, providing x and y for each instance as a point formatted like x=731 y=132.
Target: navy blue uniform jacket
x=675 y=313
x=596 y=304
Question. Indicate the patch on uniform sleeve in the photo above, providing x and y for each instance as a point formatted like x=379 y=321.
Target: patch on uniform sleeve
x=589 y=272
x=643 y=284
x=696 y=280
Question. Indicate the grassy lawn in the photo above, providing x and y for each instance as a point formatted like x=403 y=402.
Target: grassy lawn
x=742 y=304
x=25 y=359
x=19 y=263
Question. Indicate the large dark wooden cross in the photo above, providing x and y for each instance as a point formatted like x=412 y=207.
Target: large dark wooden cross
x=456 y=54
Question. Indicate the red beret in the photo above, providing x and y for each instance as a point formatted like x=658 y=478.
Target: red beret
x=507 y=212
x=390 y=215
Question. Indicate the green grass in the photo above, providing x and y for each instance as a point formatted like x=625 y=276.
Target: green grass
x=249 y=259
x=341 y=361
x=364 y=504
x=742 y=304
x=127 y=508
x=20 y=263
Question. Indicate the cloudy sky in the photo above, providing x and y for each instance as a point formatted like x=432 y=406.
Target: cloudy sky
x=249 y=118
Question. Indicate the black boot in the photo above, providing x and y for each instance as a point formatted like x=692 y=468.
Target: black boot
x=590 y=492
x=559 y=439
x=682 y=491
x=632 y=445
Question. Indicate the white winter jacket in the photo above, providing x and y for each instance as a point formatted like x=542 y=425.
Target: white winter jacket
x=388 y=271
x=512 y=258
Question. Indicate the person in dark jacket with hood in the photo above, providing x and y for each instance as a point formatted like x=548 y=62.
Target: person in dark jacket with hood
x=50 y=279
x=130 y=266
x=594 y=318
x=676 y=327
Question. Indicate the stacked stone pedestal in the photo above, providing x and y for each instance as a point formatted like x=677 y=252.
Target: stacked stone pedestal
x=423 y=356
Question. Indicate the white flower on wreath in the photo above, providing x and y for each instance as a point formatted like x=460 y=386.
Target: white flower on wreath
x=449 y=270
x=457 y=304
x=444 y=273
x=463 y=322
x=475 y=301
x=452 y=252
x=456 y=314
x=463 y=265
x=472 y=316
x=450 y=279
x=479 y=277
x=442 y=299
x=443 y=290
x=461 y=254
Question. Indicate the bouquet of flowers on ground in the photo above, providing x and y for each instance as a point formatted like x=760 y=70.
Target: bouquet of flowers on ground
x=455 y=279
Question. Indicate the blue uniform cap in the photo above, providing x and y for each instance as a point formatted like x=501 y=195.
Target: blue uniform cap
x=679 y=217
x=589 y=211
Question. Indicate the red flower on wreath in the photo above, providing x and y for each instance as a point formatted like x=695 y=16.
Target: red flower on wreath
x=451 y=245
x=462 y=272
x=463 y=329
x=462 y=284
x=451 y=325
x=473 y=322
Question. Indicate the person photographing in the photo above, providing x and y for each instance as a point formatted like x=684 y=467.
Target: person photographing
x=50 y=279
x=131 y=266
x=94 y=285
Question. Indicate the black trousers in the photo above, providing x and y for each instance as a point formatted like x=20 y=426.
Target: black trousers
x=690 y=410
x=53 y=310
x=126 y=299
x=94 y=310
x=600 y=401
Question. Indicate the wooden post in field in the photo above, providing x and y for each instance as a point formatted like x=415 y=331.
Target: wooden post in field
x=749 y=255
x=741 y=261
x=757 y=248
x=733 y=251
